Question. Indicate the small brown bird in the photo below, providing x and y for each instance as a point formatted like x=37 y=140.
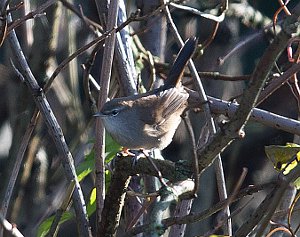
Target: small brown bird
x=150 y=120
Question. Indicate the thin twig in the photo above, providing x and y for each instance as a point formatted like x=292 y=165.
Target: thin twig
x=290 y=212
x=192 y=10
x=267 y=118
x=234 y=128
x=30 y=15
x=81 y=50
x=91 y=24
x=66 y=202
x=230 y=199
x=55 y=131
x=209 y=118
x=159 y=175
x=145 y=206
x=196 y=217
x=210 y=39
x=277 y=82
x=18 y=163
x=188 y=124
x=102 y=97
x=12 y=229
x=239 y=46
x=276 y=198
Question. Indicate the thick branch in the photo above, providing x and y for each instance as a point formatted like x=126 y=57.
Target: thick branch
x=264 y=117
x=234 y=128
x=114 y=203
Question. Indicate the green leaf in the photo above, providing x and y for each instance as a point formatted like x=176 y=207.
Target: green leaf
x=46 y=224
x=83 y=170
x=297 y=183
x=91 y=206
x=139 y=65
x=284 y=158
x=87 y=166
x=107 y=179
x=111 y=148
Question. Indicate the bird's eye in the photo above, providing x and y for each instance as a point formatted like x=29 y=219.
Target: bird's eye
x=114 y=112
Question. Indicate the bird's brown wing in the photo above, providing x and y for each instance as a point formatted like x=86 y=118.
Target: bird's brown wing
x=174 y=100
x=167 y=102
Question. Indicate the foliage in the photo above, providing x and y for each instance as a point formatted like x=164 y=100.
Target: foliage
x=285 y=158
x=240 y=72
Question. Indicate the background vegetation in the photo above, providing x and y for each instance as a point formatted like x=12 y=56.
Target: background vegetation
x=51 y=94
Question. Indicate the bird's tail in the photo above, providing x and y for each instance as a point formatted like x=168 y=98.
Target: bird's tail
x=180 y=62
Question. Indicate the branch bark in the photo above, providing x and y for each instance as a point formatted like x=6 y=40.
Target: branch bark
x=234 y=128
x=100 y=133
x=55 y=131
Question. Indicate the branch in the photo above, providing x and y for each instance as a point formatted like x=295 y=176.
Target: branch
x=59 y=213
x=168 y=195
x=123 y=169
x=267 y=118
x=114 y=203
x=55 y=131
x=172 y=171
x=196 y=217
x=12 y=229
x=209 y=119
x=102 y=97
x=266 y=209
x=123 y=53
x=278 y=82
x=17 y=165
x=234 y=128
x=30 y=15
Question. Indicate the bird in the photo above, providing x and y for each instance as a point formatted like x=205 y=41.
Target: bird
x=149 y=120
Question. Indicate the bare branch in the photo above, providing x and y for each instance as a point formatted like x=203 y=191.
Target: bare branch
x=55 y=131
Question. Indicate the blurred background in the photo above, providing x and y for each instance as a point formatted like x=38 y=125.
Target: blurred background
x=50 y=38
